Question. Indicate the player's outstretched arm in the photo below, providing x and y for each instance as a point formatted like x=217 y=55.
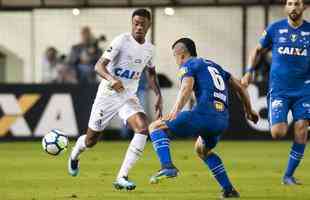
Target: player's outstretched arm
x=101 y=69
x=245 y=99
x=156 y=88
x=184 y=95
x=254 y=59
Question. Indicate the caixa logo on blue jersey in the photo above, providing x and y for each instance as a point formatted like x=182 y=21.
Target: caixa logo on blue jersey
x=126 y=73
x=291 y=51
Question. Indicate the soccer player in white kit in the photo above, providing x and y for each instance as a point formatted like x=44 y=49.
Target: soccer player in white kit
x=120 y=67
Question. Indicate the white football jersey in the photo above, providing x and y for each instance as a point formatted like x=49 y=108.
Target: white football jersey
x=128 y=58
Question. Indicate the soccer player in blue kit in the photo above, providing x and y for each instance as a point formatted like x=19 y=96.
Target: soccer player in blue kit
x=289 y=79
x=207 y=120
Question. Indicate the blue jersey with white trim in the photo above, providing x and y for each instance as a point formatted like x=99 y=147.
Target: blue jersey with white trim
x=210 y=87
x=290 y=68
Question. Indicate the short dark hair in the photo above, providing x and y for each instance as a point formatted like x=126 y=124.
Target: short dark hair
x=285 y=1
x=142 y=12
x=189 y=44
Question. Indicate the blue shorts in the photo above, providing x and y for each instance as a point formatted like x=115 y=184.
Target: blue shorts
x=190 y=123
x=210 y=141
x=279 y=106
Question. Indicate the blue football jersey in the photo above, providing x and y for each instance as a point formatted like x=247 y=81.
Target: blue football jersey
x=210 y=87
x=290 y=68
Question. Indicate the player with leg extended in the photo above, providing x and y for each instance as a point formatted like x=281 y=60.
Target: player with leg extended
x=120 y=67
x=208 y=119
x=289 y=79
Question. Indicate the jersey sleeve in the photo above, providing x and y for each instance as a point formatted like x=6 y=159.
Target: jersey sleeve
x=266 y=38
x=188 y=70
x=114 y=48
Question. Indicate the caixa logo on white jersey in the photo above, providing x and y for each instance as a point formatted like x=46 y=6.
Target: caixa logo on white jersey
x=57 y=113
x=292 y=51
x=126 y=73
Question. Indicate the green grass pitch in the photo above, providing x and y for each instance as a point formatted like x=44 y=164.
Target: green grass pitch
x=255 y=168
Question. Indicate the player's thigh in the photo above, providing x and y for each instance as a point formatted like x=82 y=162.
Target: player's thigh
x=133 y=113
x=301 y=117
x=103 y=110
x=301 y=108
x=211 y=124
x=278 y=108
x=210 y=142
x=183 y=125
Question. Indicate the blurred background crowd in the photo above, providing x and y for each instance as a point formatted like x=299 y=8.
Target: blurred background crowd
x=78 y=66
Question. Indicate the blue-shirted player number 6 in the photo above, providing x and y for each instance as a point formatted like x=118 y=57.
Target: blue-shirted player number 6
x=217 y=78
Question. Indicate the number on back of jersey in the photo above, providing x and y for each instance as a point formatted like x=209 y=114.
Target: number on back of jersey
x=217 y=78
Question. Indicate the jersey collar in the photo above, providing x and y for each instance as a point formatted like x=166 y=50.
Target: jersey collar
x=188 y=60
x=133 y=39
x=293 y=27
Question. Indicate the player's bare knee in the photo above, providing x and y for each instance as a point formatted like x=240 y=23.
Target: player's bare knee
x=278 y=131
x=201 y=149
x=154 y=125
x=142 y=130
x=140 y=126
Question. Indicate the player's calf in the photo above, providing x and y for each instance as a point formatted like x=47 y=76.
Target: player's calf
x=161 y=145
x=83 y=142
x=297 y=152
x=301 y=131
x=213 y=161
x=138 y=122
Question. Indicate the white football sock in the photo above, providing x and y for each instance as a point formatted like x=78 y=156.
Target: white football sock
x=79 y=147
x=133 y=153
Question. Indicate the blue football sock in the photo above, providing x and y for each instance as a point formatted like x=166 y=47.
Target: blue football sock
x=296 y=154
x=161 y=142
x=215 y=164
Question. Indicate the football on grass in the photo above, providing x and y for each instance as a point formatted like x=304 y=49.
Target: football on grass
x=55 y=142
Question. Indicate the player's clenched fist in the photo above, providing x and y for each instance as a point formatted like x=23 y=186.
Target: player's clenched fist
x=117 y=85
x=246 y=79
x=252 y=116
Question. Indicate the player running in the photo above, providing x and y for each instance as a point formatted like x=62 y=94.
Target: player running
x=208 y=119
x=289 y=79
x=120 y=67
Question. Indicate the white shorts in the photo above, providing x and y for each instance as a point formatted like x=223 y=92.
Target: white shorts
x=105 y=107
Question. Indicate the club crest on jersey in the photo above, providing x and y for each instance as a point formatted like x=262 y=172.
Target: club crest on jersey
x=126 y=73
x=293 y=37
x=292 y=51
